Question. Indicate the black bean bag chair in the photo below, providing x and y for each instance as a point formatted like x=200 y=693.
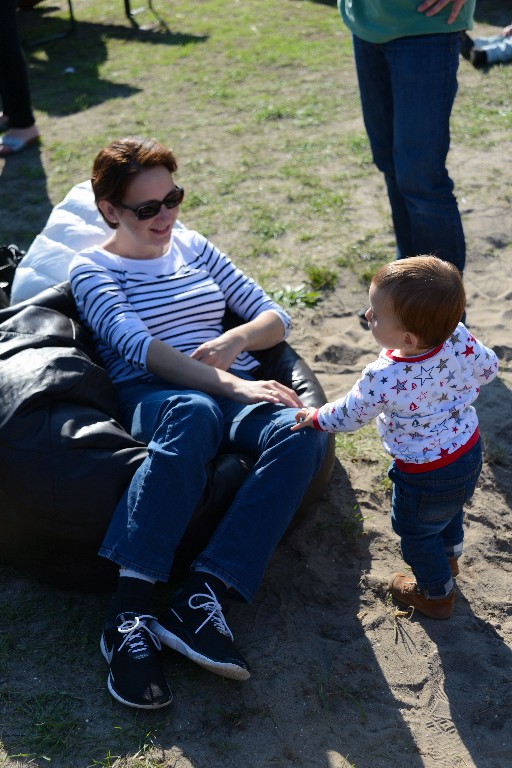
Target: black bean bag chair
x=65 y=461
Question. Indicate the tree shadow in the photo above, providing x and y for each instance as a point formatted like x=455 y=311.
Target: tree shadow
x=476 y=663
x=496 y=12
x=73 y=62
x=24 y=200
x=302 y=635
x=494 y=408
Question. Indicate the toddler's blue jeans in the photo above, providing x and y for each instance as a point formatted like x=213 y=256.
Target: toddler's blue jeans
x=427 y=513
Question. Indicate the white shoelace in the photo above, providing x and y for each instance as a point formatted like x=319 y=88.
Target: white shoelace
x=135 y=638
x=212 y=606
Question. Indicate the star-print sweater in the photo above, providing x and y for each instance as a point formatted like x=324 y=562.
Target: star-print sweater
x=422 y=405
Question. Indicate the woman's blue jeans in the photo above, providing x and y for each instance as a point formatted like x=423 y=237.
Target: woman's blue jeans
x=407 y=88
x=428 y=513
x=184 y=430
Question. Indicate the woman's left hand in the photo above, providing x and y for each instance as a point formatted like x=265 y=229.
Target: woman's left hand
x=271 y=391
x=220 y=352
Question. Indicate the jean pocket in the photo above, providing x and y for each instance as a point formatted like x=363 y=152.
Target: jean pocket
x=436 y=507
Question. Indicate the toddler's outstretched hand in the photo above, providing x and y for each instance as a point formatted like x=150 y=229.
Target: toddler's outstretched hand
x=304 y=418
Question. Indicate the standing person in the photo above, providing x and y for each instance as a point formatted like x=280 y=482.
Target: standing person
x=154 y=297
x=406 y=58
x=420 y=389
x=17 y=119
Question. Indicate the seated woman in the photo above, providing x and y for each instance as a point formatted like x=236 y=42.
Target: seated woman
x=154 y=298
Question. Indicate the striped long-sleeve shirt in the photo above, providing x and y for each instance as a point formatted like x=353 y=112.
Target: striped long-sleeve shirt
x=179 y=298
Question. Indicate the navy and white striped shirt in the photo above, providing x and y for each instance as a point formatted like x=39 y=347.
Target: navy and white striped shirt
x=179 y=298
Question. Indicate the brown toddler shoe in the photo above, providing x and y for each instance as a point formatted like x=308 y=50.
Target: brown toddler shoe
x=454 y=566
x=405 y=591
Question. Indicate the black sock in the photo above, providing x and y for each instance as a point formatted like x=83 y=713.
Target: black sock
x=132 y=596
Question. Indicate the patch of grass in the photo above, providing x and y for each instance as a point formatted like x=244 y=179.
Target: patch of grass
x=306 y=295
x=265 y=223
x=52 y=723
x=364 y=446
x=300 y=296
x=351 y=526
x=363 y=261
x=328 y=691
x=321 y=278
x=496 y=452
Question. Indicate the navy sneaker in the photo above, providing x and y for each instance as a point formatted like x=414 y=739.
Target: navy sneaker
x=195 y=626
x=132 y=651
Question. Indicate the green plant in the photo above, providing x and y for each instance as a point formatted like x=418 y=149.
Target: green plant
x=300 y=296
x=321 y=278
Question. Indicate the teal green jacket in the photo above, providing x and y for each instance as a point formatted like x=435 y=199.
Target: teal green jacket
x=379 y=21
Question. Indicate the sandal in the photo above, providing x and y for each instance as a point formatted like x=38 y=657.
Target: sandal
x=10 y=145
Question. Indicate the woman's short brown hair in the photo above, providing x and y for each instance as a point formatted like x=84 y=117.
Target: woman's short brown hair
x=116 y=166
x=427 y=294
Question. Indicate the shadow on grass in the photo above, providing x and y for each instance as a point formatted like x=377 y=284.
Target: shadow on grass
x=73 y=63
x=23 y=197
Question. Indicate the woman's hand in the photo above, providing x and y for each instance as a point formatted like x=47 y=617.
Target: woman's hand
x=304 y=418
x=434 y=6
x=173 y=366
x=261 y=333
x=272 y=391
x=220 y=352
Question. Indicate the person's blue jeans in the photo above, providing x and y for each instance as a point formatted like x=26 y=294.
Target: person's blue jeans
x=428 y=512
x=407 y=89
x=184 y=430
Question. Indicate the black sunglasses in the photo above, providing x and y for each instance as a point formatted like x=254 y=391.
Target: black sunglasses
x=152 y=209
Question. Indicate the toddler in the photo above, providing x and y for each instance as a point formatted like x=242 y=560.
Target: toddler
x=420 y=389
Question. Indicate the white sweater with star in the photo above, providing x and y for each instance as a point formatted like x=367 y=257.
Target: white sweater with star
x=422 y=405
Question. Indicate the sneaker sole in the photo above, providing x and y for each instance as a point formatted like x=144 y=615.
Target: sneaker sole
x=115 y=694
x=231 y=671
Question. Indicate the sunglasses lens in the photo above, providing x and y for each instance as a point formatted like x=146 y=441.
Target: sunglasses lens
x=151 y=210
x=147 y=211
x=174 y=198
